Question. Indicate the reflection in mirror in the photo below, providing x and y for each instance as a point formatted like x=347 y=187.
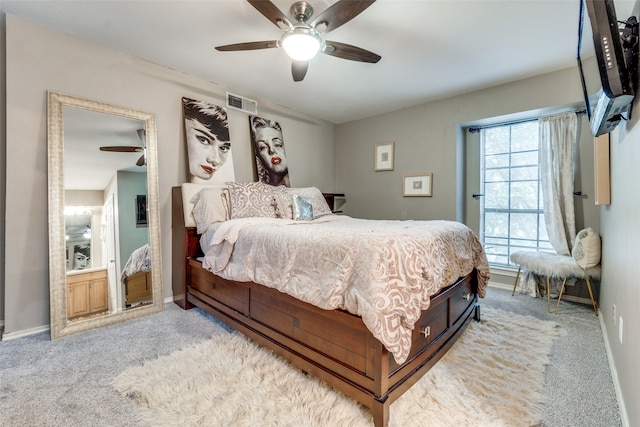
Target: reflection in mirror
x=103 y=210
x=79 y=238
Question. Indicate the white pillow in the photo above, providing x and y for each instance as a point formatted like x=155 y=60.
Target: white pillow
x=320 y=206
x=208 y=207
x=188 y=191
x=586 y=249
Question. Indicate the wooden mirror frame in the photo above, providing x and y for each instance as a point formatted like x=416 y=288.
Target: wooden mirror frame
x=60 y=325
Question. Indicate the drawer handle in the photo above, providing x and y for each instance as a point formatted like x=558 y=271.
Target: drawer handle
x=466 y=296
x=426 y=331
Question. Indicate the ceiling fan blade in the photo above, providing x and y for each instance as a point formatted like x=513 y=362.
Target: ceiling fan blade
x=339 y=13
x=122 y=148
x=142 y=134
x=272 y=13
x=347 y=51
x=248 y=46
x=299 y=70
x=141 y=161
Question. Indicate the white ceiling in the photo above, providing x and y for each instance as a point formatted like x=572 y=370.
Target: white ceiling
x=85 y=131
x=431 y=49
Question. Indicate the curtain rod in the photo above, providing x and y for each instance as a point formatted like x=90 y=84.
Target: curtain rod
x=479 y=128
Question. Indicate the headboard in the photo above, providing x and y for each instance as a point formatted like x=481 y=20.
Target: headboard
x=185 y=243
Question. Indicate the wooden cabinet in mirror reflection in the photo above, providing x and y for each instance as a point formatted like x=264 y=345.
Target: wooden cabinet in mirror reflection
x=87 y=294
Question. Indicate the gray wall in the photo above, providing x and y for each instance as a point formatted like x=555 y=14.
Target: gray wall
x=131 y=236
x=620 y=229
x=37 y=60
x=427 y=137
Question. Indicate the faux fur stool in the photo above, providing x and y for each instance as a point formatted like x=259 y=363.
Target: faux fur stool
x=584 y=263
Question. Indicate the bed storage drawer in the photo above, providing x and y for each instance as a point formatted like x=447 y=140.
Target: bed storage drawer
x=430 y=326
x=308 y=324
x=227 y=293
x=460 y=302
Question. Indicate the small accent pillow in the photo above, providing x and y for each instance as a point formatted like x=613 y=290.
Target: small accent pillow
x=302 y=208
x=283 y=205
x=320 y=206
x=586 y=249
x=208 y=207
x=252 y=199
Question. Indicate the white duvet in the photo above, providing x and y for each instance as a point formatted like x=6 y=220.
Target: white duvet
x=140 y=260
x=383 y=271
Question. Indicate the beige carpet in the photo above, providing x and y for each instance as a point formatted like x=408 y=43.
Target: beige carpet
x=493 y=376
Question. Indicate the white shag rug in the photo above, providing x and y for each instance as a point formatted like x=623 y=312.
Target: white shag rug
x=493 y=376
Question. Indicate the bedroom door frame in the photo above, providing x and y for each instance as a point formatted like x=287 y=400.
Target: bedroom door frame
x=115 y=291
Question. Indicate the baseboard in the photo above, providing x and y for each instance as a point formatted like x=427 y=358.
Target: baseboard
x=614 y=375
x=498 y=285
x=24 y=333
x=565 y=297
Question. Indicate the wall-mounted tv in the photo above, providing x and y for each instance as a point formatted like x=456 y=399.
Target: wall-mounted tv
x=608 y=80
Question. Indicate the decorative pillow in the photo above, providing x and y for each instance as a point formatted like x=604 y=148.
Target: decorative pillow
x=586 y=249
x=225 y=202
x=208 y=207
x=283 y=205
x=320 y=206
x=189 y=190
x=302 y=208
x=252 y=199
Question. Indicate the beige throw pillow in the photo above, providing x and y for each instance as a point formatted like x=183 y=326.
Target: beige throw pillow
x=208 y=207
x=586 y=249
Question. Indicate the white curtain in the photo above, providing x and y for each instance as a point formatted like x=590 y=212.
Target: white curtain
x=557 y=168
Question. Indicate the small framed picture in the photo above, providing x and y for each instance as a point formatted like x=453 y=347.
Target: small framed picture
x=417 y=185
x=141 y=210
x=384 y=157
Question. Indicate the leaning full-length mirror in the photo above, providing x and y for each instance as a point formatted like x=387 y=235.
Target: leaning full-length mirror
x=104 y=238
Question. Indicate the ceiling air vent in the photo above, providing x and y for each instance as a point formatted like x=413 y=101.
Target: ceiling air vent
x=241 y=103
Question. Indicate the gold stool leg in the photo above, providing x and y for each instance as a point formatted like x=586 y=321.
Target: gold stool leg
x=516 y=282
x=548 y=295
x=593 y=302
x=560 y=296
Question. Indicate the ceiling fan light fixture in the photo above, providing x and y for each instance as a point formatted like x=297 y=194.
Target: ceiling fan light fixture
x=301 y=43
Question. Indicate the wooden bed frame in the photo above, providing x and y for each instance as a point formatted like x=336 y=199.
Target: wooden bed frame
x=351 y=360
x=138 y=288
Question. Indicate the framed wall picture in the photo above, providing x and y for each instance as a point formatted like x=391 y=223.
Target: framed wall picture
x=141 y=210
x=208 y=143
x=384 y=157
x=268 y=148
x=417 y=185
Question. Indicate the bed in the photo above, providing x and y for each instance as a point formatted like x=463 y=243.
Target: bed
x=371 y=358
x=136 y=277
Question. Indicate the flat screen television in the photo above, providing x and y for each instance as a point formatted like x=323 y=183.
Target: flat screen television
x=608 y=80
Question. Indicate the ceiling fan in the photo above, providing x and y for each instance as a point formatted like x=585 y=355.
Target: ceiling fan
x=305 y=37
x=131 y=148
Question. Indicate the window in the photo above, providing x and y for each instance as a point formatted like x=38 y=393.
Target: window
x=511 y=211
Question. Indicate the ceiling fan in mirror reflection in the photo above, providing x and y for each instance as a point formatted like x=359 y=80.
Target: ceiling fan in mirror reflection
x=131 y=148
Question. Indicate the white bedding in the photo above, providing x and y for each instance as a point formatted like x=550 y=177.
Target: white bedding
x=140 y=260
x=383 y=271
